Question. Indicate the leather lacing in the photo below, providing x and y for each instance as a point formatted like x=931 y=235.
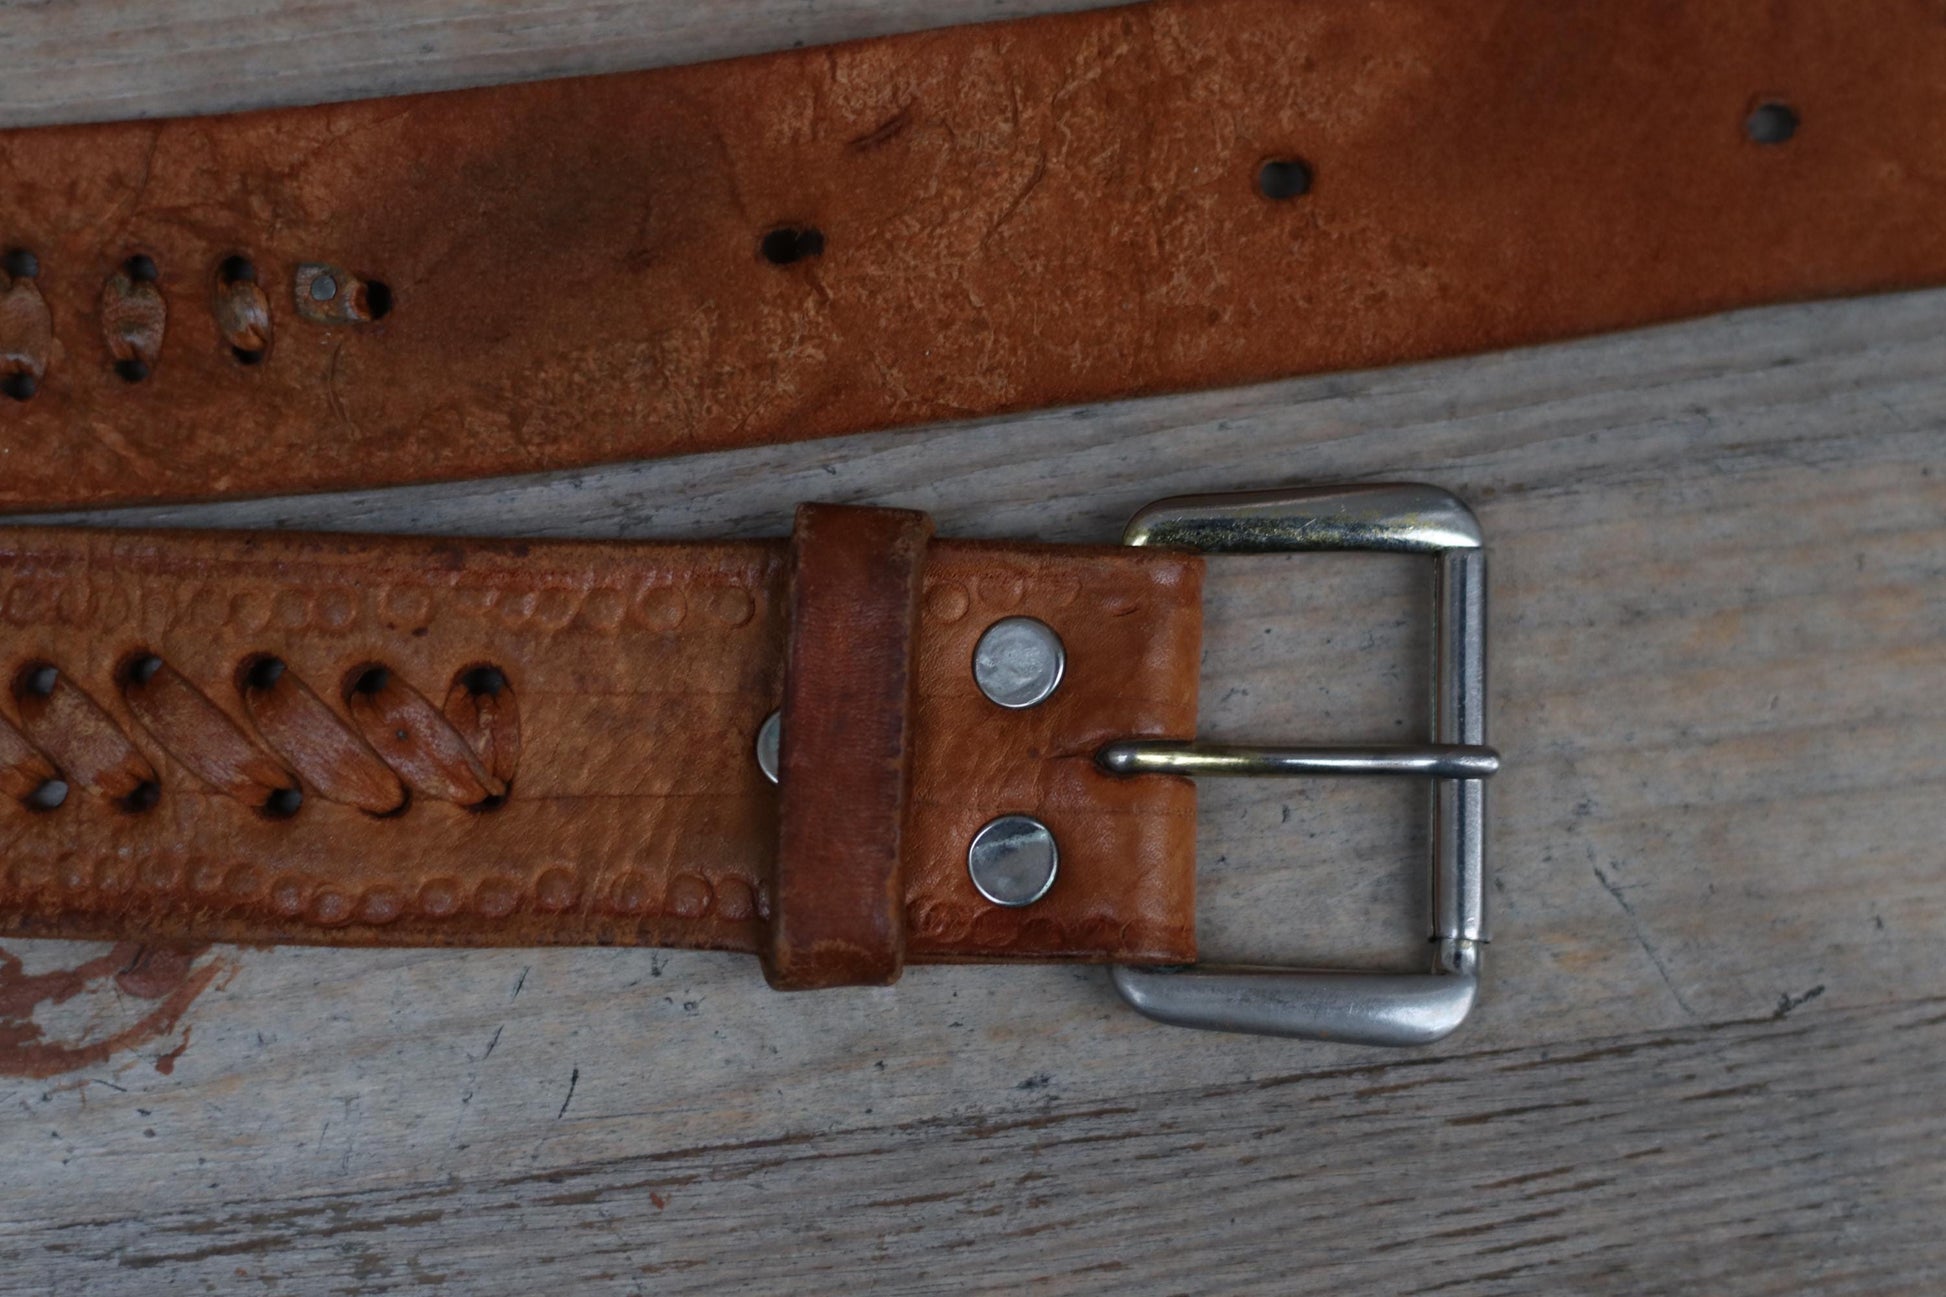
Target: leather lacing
x=394 y=746
x=26 y=328
x=242 y=310
x=134 y=318
x=134 y=314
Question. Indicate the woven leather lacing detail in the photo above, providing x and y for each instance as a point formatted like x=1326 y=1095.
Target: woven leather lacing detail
x=26 y=328
x=242 y=310
x=391 y=745
x=134 y=319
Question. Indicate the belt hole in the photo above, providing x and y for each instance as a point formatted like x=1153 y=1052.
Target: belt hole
x=237 y=270
x=328 y=294
x=20 y=387
x=37 y=680
x=1282 y=179
x=486 y=680
x=48 y=796
x=1772 y=122
x=146 y=795
x=368 y=680
x=140 y=269
x=262 y=672
x=283 y=803
x=141 y=669
x=132 y=370
x=788 y=244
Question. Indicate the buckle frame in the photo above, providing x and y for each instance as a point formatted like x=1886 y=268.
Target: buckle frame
x=1351 y=1007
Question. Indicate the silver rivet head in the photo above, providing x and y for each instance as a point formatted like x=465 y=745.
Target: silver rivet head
x=770 y=738
x=1013 y=860
x=1019 y=661
x=323 y=288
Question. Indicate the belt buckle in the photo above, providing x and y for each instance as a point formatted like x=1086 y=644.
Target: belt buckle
x=1327 y=1004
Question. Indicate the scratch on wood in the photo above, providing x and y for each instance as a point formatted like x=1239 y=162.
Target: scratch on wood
x=1786 y=1003
x=1648 y=948
x=574 y=1079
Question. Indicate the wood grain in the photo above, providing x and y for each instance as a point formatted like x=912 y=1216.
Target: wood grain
x=1708 y=1052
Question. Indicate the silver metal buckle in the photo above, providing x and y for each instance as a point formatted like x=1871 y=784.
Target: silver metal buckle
x=1323 y=1004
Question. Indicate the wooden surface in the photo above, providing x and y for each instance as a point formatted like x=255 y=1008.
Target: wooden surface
x=1708 y=1055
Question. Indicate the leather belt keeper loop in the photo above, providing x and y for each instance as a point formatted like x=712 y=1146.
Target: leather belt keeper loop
x=838 y=895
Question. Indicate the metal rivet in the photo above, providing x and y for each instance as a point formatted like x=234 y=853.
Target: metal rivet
x=770 y=737
x=323 y=288
x=1019 y=661
x=1013 y=860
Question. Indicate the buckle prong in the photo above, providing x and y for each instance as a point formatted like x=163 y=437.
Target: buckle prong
x=1249 y=761
x=1353 y=1007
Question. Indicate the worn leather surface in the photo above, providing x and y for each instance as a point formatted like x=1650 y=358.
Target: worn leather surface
x=366 y=741
x=838 y=891
x=975 y=220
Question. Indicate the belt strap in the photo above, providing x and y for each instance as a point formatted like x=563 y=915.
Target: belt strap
x=942 y=225
x=362 y=741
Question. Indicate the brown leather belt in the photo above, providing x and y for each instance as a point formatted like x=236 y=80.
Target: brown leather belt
x=855 y=749
x=951 y=224
x=391 y=742
x=269 y=738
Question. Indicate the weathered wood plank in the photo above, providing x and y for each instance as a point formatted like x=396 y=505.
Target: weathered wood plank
x=1707 y=1054
x=1526 y=1168
x=106 y=60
